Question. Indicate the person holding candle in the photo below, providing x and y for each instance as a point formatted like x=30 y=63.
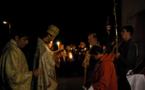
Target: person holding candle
x=81 y=56
x=62 y=67
x=69 y=61
x=46 y=59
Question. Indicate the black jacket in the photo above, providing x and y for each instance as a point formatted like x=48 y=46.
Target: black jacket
x=127 y=58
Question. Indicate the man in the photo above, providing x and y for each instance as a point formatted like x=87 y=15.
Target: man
x=14 y=71
x=92 y=39
x=104 y=77
x=126 y=57
x=89 y=63
x=44 y=58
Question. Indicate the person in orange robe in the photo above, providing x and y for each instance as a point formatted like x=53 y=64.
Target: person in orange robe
x=104 y=76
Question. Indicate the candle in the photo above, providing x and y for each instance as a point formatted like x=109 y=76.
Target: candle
x=70 y=55
x=58 y=45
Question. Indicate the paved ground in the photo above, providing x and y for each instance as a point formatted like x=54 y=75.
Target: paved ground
x=72 y=83
x=69 y=78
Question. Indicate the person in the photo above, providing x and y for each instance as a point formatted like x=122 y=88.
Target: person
x=81 y=55
x=125 y=58
x=75 y=56
x=62 y=67
x=92 y=40
x=50 y=44
x=69 y=55
x=69 y=61
x=89 y=63
x=63 y=54
x=45 y=58
x=104 y=77
x=14 y=71
x=74 y=50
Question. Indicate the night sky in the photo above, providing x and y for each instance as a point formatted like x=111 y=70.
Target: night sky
x=74 y=19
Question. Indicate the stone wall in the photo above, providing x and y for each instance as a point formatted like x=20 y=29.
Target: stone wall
x=133 y=13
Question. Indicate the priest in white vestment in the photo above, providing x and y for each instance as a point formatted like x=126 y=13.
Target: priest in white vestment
x=14 y=71
x=44 y=58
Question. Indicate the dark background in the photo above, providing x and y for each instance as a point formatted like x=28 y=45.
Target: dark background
x=74 y=19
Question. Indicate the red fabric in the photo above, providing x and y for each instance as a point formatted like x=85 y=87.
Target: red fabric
x=105 y=76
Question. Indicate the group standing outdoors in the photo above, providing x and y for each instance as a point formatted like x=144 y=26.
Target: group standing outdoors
x=110 y=73
x=102 y=70
x=14 y=71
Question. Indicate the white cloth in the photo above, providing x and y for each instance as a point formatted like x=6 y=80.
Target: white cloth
x=13 y=41
x=84 y=87
x=91 y=88
x=130 y=72
x=136 y=81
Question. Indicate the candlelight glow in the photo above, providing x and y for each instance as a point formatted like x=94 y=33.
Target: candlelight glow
x=70 y=55
x=58 y=43
x=5 y=22
x=90 y=46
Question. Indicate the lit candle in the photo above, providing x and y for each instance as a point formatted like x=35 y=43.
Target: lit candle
x=58 y=45
x=85 y=49
x=91 y=46
x=70 y=55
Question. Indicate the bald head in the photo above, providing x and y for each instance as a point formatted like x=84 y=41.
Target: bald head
x=92 y=39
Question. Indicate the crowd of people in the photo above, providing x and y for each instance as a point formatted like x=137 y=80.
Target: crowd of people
x=71 y=60
x=103 y=70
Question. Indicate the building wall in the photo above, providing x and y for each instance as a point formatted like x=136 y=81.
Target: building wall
x=133 y=13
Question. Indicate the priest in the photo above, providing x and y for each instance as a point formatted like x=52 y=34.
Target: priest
x=14 y=71
x=45 y=58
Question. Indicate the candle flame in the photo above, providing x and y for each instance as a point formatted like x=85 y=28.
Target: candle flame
x=70 y=55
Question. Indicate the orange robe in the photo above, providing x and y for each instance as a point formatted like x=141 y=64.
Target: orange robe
x=105 y=77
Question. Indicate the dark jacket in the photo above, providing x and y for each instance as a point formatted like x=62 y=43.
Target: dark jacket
x=127 y=58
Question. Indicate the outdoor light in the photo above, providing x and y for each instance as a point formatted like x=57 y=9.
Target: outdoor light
x=108 y=27
x=5 y=22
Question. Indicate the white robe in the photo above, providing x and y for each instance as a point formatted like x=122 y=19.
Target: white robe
x=14 y=71
x=44 y=58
